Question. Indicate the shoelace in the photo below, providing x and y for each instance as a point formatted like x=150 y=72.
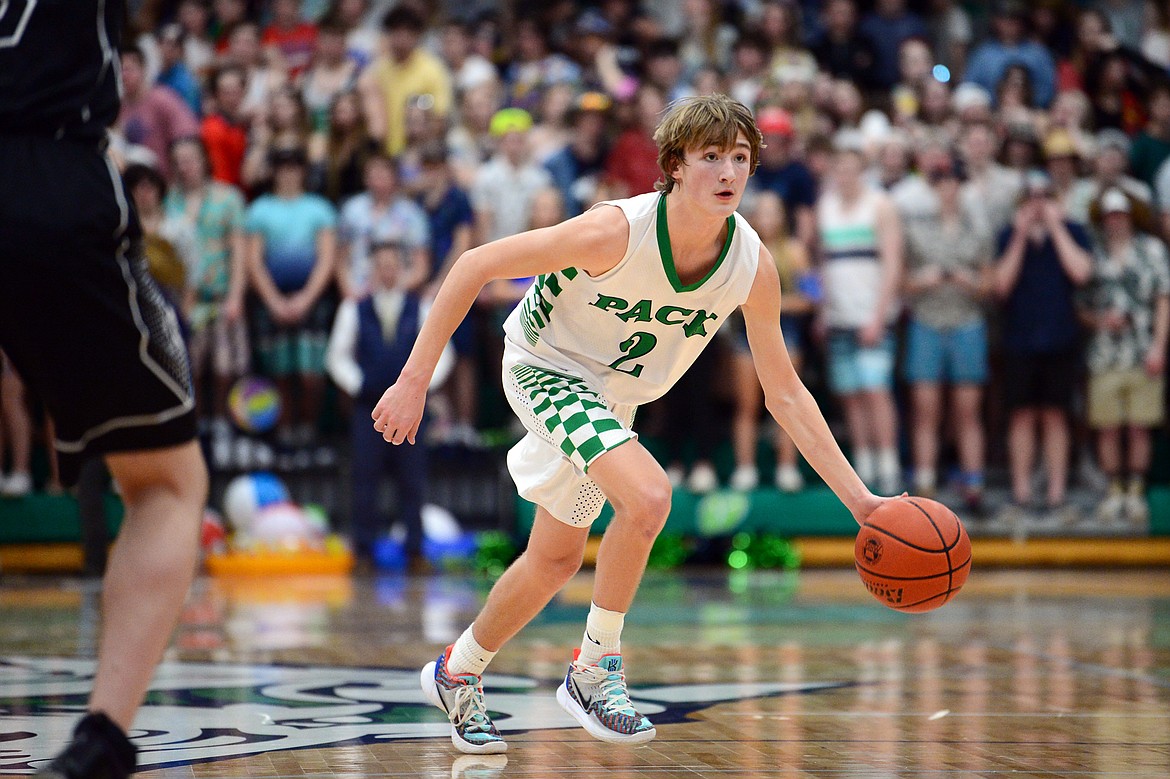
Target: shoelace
x=470 y=712
x=615 y=697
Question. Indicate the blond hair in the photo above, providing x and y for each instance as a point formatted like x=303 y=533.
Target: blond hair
x=698 y=122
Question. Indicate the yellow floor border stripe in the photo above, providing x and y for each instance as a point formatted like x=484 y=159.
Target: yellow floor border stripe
x=816 y=552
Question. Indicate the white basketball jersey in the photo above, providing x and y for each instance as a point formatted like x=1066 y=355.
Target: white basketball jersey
x=635 y=329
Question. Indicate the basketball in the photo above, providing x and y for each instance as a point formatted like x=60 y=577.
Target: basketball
x=912 y=554
x=254 y=403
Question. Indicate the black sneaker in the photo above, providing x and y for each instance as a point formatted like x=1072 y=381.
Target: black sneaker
x=99 y=750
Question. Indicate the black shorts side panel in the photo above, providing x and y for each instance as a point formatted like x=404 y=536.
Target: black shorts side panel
x=80 y=316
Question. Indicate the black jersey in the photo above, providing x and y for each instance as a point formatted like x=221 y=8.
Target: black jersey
x=59 y=67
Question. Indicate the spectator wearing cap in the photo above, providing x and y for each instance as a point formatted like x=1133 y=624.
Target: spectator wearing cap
x=1126 y=306
x=173 y=71
x=844 y=50
x=290 y=251
x=1042 y=259
x=403 y=71
x=971 y=104
x=534 y=68
x=381 y=214
x=1010 y=45
x=506 y=185
x=1062 y=161
x=290 y=36
x=781 y=171
x=1151 y=147
x=889 y=25
x=152 y=116
x=948 y=281
x=861 y=245
x=225 y=130
x=1110 y=166
x=576 y=169
x=991 y=189
x=632 y=165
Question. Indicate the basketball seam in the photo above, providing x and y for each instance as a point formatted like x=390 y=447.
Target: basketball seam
x=909 y=578
x=946 y=549
x=900 y=540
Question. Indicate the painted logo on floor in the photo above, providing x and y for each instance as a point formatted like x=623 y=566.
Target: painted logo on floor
x=197 y=712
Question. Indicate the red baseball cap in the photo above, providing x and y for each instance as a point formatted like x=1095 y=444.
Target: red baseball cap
x=775 y=121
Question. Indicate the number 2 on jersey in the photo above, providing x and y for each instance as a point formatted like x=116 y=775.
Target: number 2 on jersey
x=637 y=345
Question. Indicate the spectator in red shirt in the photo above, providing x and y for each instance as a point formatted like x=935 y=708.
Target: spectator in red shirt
x=152 y=116
x=294 y=38
x=632 y=166
x=224 y=130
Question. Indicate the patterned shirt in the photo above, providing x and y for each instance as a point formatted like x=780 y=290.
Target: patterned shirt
x=1131 y=286
x=968 y=247
x=214 y=218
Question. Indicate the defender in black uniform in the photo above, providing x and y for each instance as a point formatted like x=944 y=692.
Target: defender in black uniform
x=88 y=330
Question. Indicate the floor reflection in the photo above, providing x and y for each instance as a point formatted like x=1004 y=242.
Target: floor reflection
x=750 y=674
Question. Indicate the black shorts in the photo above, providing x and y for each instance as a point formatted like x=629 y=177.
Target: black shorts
x=80 y=317
x=1041 y=380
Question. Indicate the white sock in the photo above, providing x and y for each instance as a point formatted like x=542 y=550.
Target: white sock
x=887 y=464
x=467 y=656
x=864 y=463
x=603 y=634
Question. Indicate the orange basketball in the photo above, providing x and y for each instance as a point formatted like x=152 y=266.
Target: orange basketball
x=913 y=554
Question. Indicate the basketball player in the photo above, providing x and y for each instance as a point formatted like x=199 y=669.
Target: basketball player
x=88 y=329
x=627 y=295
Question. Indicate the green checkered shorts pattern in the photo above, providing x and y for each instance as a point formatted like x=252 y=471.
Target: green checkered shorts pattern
x=576 y=418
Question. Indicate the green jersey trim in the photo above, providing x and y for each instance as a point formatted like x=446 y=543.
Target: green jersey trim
x=667 y=254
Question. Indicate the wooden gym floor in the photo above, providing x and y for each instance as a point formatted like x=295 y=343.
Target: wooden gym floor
x=756 y=674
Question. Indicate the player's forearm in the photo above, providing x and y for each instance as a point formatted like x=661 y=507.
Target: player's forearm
x=797 y=412
x=456 y=296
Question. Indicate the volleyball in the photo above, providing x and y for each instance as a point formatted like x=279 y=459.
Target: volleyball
x=254 y=404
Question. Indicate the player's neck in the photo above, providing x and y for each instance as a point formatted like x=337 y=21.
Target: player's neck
x=691 y=229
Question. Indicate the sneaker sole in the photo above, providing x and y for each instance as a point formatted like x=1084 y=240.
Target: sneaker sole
x=430 y=690
x=595 y=728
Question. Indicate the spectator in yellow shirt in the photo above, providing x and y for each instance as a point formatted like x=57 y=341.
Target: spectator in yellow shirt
x=401 y=72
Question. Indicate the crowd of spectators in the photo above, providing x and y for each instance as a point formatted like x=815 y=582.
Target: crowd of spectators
x=967 y=203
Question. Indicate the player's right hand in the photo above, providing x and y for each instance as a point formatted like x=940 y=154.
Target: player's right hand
x=399 y=412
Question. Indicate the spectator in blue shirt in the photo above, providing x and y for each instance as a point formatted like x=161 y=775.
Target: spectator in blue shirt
x=174 y=72
x=781 y=172
x=290 y=256
x=1008 y=47
x=888 y=27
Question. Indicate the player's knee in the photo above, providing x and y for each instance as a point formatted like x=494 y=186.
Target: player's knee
x=648 y=504
x=555 y=568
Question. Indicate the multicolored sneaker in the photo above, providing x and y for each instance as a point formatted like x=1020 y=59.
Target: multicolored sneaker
x=597 y=698
x=461 y=697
